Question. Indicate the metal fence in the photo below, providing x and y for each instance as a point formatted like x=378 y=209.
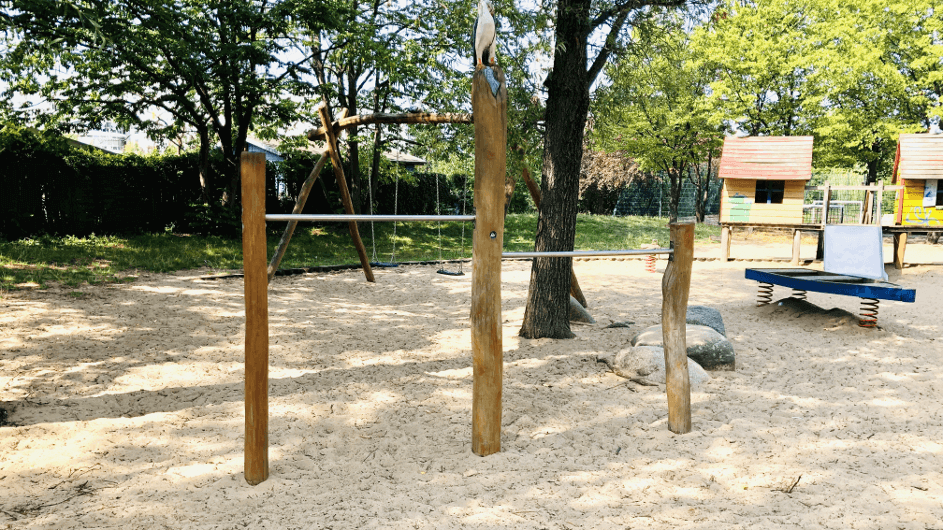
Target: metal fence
x=651 y=198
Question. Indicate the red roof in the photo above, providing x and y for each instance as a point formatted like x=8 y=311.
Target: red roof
x=919 y=156
x=767 y=158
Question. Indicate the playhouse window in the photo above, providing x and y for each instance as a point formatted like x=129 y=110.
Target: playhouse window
x=770 y=191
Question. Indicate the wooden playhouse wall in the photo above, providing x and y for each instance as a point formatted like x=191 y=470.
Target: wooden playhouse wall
x=919 y=157
x=911 y=211
x=737 y=203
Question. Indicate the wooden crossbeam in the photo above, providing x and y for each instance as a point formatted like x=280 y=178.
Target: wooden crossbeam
x=408 y=117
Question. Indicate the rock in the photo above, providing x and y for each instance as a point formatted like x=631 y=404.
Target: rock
x=710 y=349
x=648 y=363
x=579 y=314
x=706 y=316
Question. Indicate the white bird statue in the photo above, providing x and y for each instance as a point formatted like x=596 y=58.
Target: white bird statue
x=484 y=34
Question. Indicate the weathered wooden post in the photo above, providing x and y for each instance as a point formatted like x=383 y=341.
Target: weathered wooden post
x=256 y=297
x=490 y=111
x=675 y=286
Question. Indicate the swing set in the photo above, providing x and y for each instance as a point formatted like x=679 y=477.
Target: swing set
x=490 y=111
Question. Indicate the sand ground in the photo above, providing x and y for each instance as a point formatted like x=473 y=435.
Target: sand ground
x=126 y=408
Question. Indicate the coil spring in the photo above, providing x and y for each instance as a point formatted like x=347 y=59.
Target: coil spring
x=798 y=294
x=869 y=313
x=765 y=295
x=650 y=263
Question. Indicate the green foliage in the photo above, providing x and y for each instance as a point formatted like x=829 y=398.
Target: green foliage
x=854 y=74
x=657 y=109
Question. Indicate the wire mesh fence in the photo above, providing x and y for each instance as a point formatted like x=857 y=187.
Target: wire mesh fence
x=651 y=198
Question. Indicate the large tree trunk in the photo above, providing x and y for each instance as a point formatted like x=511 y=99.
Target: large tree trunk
x=547 y=312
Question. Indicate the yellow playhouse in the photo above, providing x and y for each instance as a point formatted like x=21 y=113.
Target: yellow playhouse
x=918 y=167
x=764 y=179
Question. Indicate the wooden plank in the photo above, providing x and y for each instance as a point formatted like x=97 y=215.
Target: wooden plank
x=900 y=247
x=487 y=240
x=345 y=194
x=675 y=286
x=254 y=249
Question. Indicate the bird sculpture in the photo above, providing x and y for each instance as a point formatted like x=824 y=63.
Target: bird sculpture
x=484 y=35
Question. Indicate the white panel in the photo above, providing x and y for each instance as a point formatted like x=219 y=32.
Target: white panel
x=929 y=193
x=854 y=251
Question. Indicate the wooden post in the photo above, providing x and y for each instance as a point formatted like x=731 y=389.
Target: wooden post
x=345 y=195
x=877 y=207
x=820 y=245
x=826 y=199
x=256 y=298
x=675 y=286
x=796 y=245
x=575 y=290
x=866 y=212
x=490 y=113
x=299 y=207
x=725 y=233
x=900 y=246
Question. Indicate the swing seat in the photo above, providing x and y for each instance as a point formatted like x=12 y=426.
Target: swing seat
x=450 y=273
x=383 y=264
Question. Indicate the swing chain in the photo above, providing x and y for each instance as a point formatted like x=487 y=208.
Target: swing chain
x=395 y=208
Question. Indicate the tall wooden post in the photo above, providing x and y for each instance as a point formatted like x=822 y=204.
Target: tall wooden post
x=490 y=113
x=674 y=309
x=256 y=297
x=299 y=207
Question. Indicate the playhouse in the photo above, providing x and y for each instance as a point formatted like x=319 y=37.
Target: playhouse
x=918 y=167
x=764 y=180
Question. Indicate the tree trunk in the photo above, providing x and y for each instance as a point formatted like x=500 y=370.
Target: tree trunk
x=547 y=312
x=204 y=164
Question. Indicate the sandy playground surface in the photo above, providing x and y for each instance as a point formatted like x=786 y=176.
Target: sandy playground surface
x=127 y=408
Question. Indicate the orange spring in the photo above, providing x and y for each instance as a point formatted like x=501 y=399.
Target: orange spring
x=869 y=313
x=650 y=263
x=798 y=294
x=765 y=295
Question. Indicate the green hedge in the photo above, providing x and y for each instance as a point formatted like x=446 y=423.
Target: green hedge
x=51 y=186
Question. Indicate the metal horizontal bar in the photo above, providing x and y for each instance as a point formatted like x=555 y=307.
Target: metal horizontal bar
x=586 y=253
x=347 y=218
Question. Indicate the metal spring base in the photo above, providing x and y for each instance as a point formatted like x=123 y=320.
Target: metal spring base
x=650 y=263
x=869 y=313
x=765 y=295
x=798 y=294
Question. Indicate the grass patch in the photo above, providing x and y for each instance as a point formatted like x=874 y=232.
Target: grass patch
x=73 y=261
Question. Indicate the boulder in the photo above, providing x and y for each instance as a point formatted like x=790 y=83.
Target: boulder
x=706 y=316
x=578 y=313
x=648 y=363
x=710 y=349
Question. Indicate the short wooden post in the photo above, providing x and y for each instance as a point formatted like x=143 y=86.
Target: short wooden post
x=575 y=290
x=796 y=245
x=725 y=237
x=826 y=199
x=900 y=246
x=820 y=245
x=490 y=113
x=675 y=286
x=256 y=298
x=345 y=194
x=299 y=207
